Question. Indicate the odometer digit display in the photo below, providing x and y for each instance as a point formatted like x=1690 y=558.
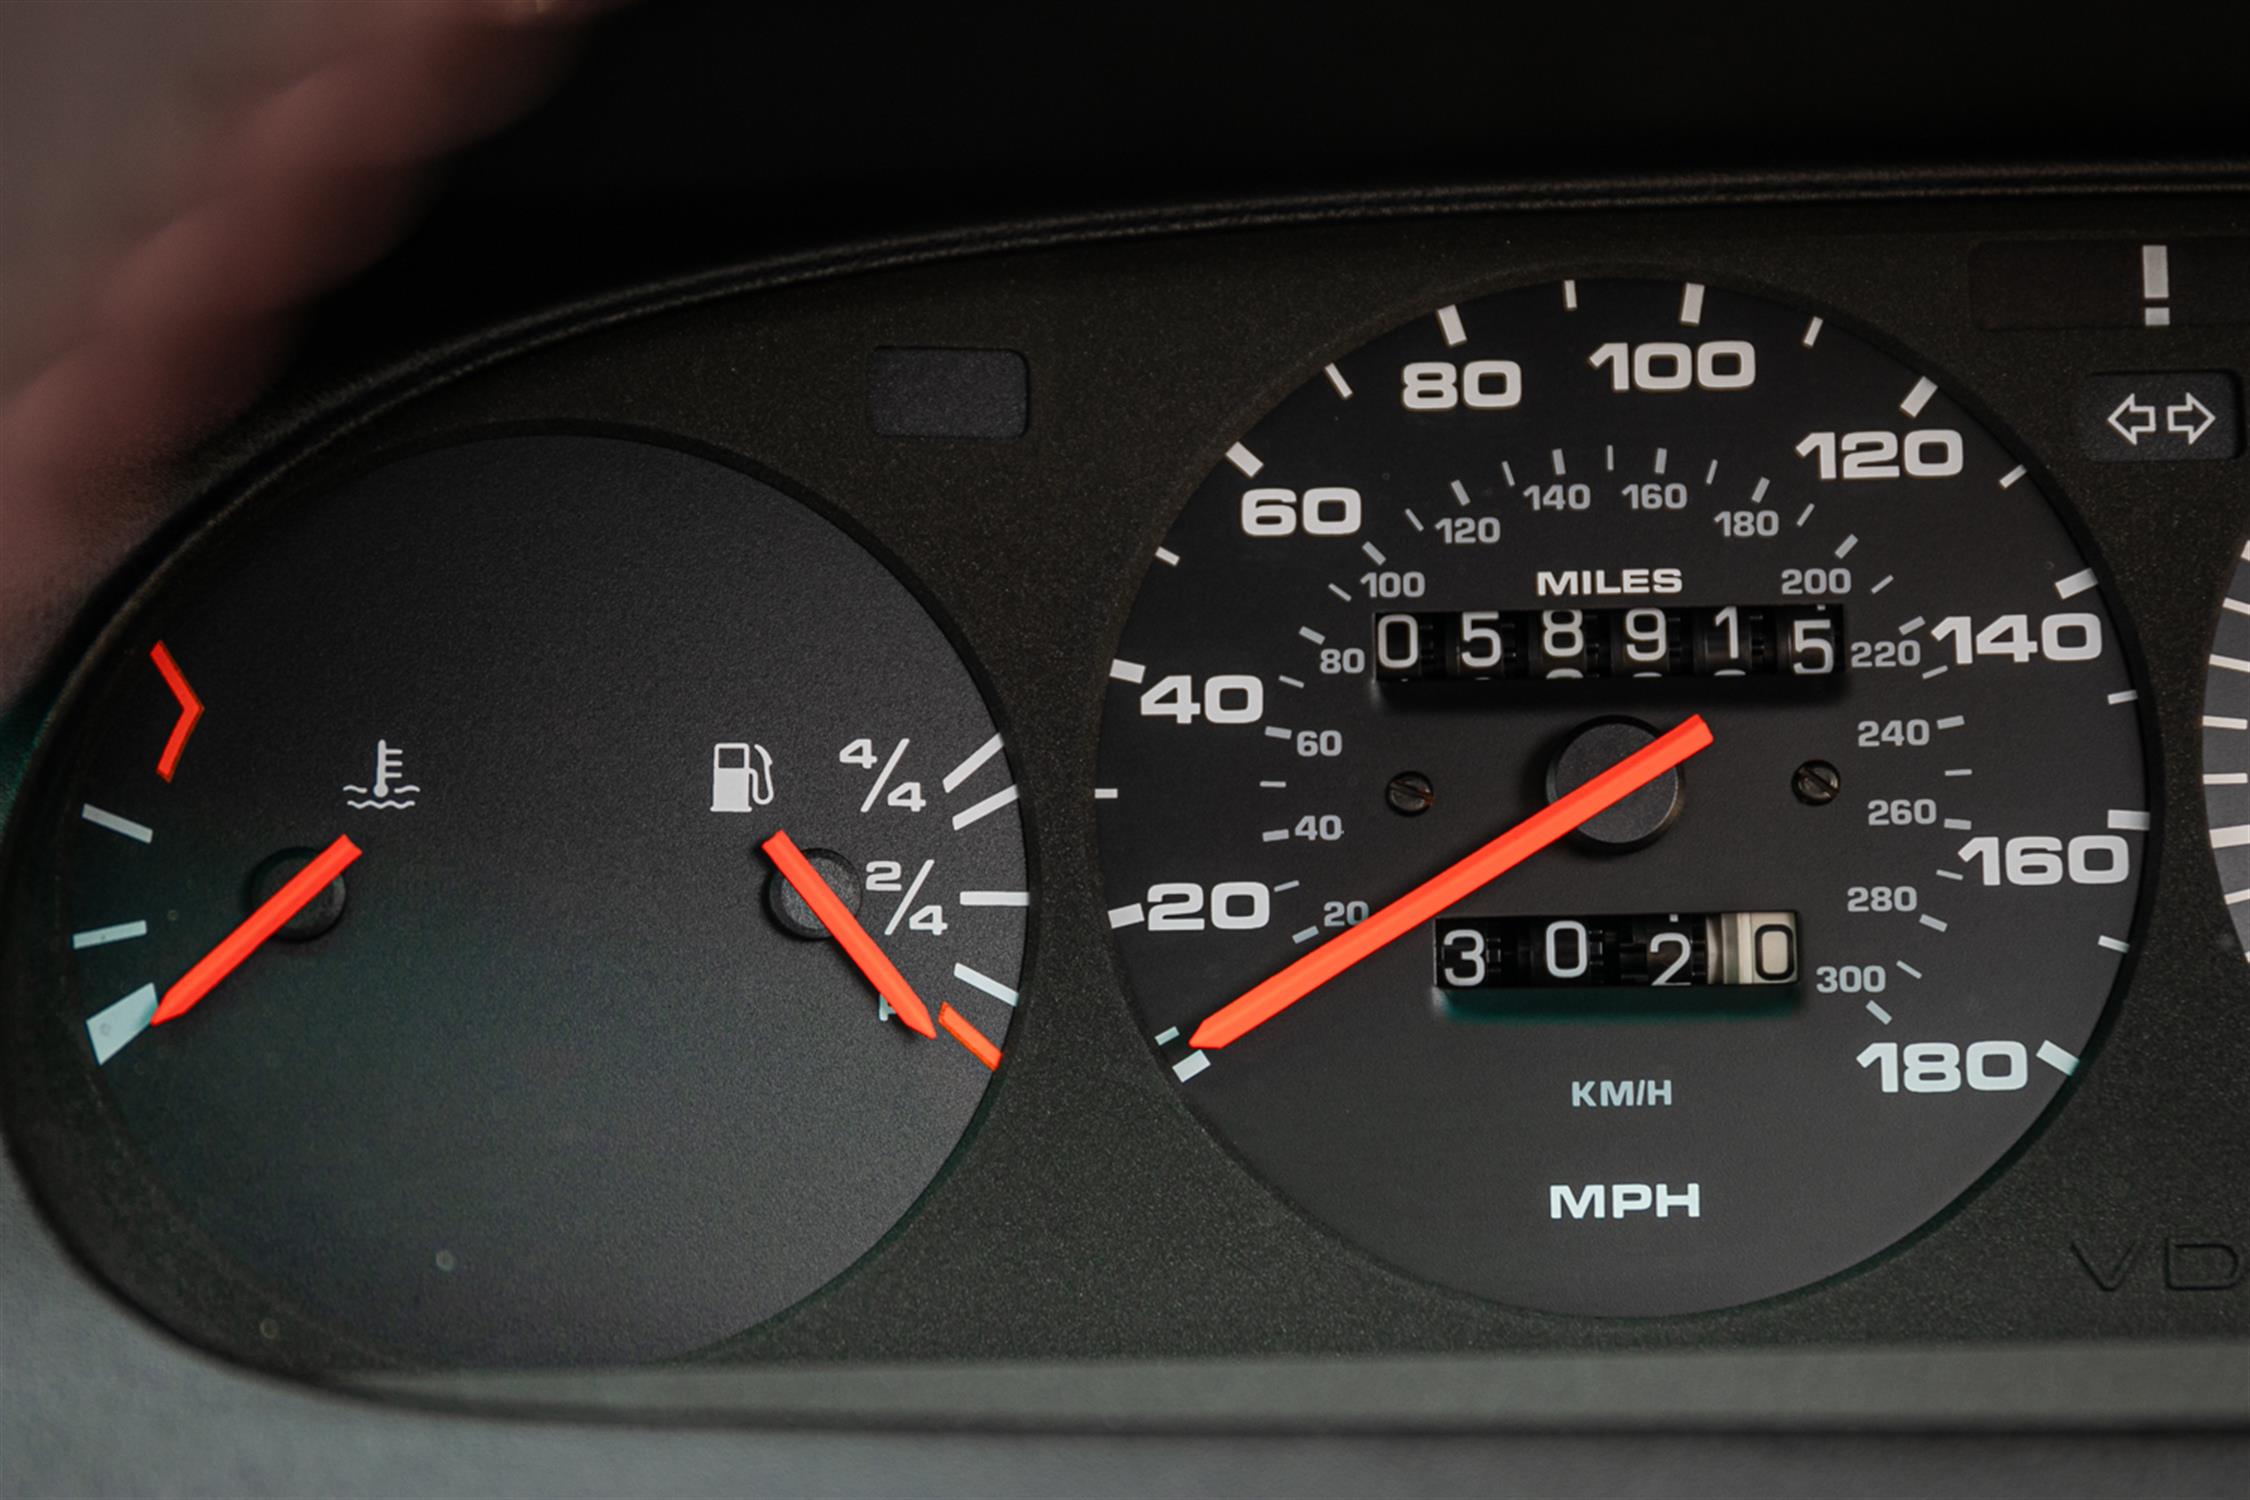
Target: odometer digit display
x=1805 y=968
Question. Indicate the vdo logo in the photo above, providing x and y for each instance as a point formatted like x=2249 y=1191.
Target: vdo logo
x=2177 y=1265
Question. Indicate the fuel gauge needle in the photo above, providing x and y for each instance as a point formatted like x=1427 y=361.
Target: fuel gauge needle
x=857 y=945
x=272 y=915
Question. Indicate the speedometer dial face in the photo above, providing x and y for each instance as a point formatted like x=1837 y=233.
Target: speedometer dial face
x=1725 y=1018
x=2226 y=747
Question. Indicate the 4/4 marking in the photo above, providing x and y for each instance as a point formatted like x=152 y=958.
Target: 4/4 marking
x=972 y=764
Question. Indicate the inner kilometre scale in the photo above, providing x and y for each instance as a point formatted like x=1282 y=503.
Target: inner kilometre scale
x=1621 y=797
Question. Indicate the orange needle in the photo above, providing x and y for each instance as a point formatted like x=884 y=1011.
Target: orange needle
x=958 y=1027
x=845 y=928
x=272 y=915
x=1455 y=883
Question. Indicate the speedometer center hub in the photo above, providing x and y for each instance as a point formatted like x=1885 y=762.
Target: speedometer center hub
x=1641 y=817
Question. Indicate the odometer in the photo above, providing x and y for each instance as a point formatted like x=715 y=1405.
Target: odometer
x=1621 y=797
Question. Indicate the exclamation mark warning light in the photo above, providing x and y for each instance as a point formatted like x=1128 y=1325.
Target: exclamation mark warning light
x=2180 y=283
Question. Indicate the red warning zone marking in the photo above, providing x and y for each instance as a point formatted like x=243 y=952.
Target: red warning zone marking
x=191 y=709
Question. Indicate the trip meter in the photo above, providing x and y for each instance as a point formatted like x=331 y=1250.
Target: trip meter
x=1622 y=797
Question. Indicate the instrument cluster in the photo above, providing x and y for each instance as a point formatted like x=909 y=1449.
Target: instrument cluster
x=1475 y=784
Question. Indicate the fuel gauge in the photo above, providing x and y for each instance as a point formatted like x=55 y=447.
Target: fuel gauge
x=549 y=899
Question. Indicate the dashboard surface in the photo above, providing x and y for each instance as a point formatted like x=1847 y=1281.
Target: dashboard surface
x=1016 y=434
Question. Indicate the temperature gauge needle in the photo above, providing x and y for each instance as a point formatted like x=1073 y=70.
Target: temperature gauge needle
x=1455 y=883
x=272 y=915
x=838 y=919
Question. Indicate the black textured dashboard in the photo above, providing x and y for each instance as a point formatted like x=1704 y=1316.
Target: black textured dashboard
x=959 y=383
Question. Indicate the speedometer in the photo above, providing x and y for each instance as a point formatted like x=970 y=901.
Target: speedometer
x=1621 y=797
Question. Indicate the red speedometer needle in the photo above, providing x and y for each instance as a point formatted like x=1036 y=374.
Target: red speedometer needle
x=838 y=919
x=272 y=915
x=1456 y=883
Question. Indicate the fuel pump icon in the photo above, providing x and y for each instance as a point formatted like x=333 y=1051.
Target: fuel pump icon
x=741 y=777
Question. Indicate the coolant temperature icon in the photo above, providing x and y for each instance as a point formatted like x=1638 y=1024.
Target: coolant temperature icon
x=741 y=777
x=390 y=791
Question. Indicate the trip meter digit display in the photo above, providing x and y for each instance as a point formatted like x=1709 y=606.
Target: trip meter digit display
x=1622 y=797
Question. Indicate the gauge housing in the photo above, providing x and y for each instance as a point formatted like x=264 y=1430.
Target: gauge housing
x=1145 y=350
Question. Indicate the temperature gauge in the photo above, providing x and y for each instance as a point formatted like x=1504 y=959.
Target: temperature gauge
x=550 y=899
